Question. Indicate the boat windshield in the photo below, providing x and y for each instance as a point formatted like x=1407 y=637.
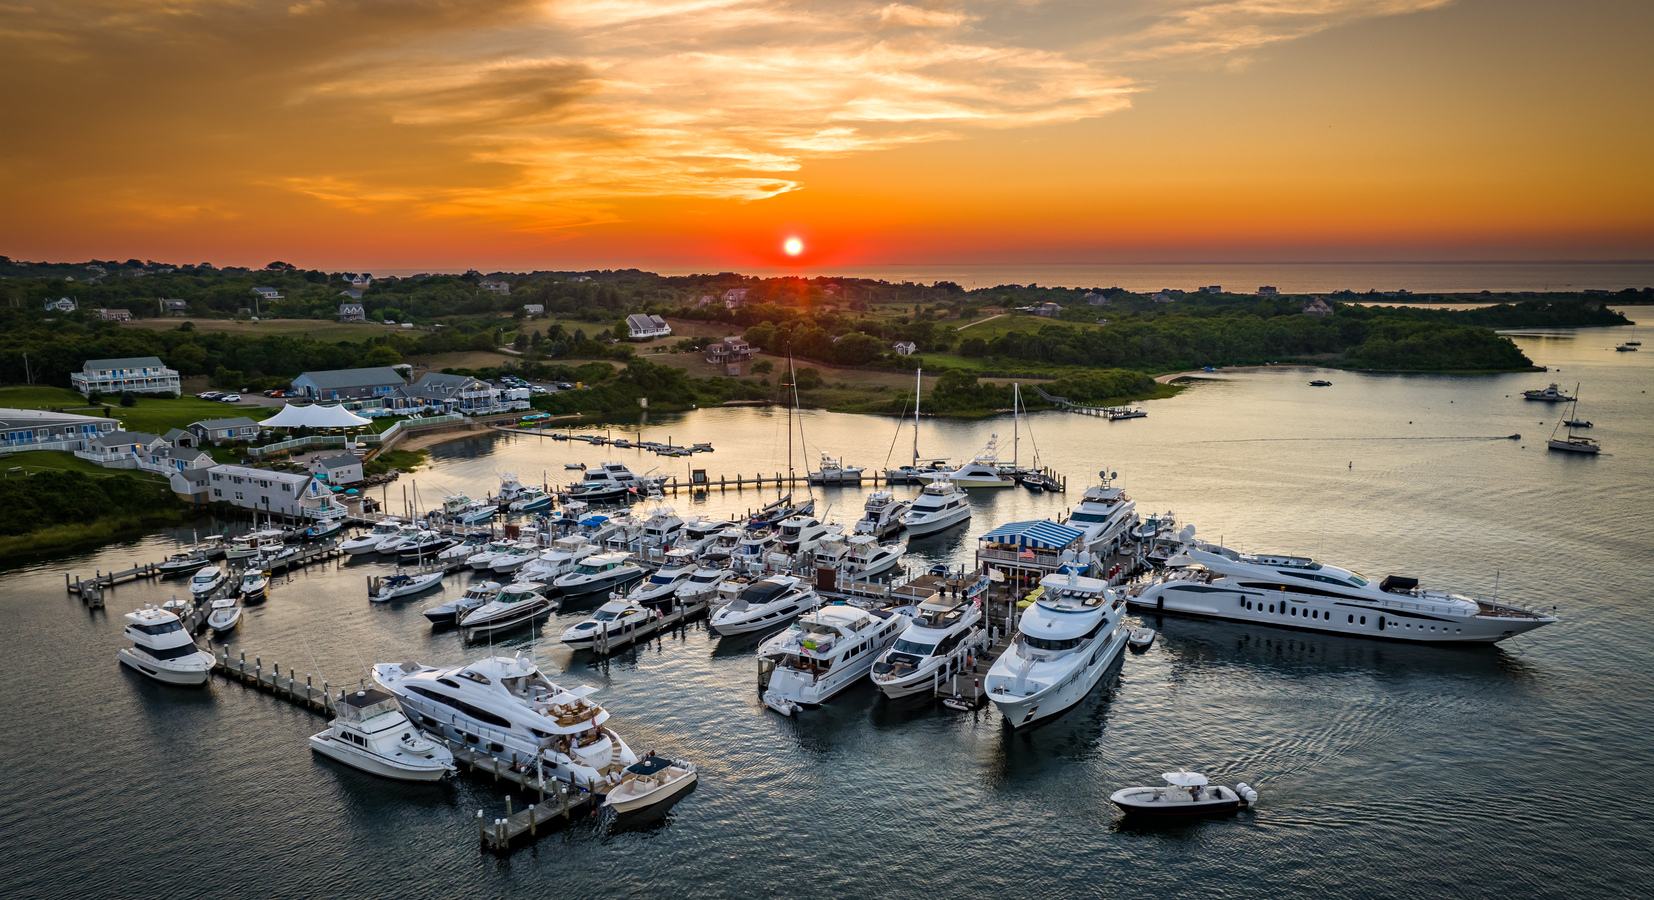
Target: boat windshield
x=161 y=628
x=604 y=615
x=659 y=578
x=1052 y=645
x=1090 y=518
x=913 y=648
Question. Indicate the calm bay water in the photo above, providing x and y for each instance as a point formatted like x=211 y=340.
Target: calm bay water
x=1384 y=769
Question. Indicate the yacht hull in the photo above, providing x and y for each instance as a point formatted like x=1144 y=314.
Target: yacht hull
x=939 y=523
x=324 y=744
x=1289 y=610
x=1021 y=712
x=170 y=672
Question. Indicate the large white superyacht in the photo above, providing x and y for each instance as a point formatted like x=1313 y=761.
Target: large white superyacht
x=1065 y=641
x=1105 y=514
x=1300 y=592
x=508 y=708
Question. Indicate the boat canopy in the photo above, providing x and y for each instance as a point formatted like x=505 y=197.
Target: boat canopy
x=1185 y=779
x=1042 y=533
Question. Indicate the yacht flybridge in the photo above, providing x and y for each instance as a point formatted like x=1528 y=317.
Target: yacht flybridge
x=1065 y=641
x=983 y=471
x=941 y=504
x=1105 y=514
x=1298 y=592
x=826 y=651
x=934 y=644
x=506 y=706
x=882 y=515
x=162 y=649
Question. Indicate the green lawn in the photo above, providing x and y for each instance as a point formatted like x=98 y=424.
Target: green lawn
x=153 y=415
x=32 y=461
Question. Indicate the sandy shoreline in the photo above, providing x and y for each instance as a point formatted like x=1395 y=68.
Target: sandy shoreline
x=1202 y=373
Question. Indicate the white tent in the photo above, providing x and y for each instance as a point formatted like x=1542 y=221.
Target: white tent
x=314 y=417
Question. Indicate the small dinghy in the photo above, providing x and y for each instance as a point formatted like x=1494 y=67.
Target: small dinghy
x=178 y=607
x=1140 y=638
x=1184 y=794
x=650 y=781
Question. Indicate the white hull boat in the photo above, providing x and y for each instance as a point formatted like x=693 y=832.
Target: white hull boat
x=1065 y=642
x=827 y=651
x=225 y=615
x=648 y=782
x=516 y=604
x=940 y=505
x=162 y=649
x=370 y=733
x=763 y=605
x=207 y=582
x=393 y=587
x=942 y=640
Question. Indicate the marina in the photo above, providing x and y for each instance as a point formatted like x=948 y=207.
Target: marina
x=1327 y=727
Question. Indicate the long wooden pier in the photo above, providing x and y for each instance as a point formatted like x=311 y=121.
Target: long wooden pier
x=271 y=680
x=559 y=802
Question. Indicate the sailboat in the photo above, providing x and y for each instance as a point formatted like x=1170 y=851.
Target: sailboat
x=914 y=472
x=783 y=508
x=1573 y=443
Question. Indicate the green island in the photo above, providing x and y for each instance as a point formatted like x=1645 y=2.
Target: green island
x=1099 y=346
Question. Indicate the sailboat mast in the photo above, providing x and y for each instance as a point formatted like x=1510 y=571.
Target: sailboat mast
x=1016 y=421
x=918 y=387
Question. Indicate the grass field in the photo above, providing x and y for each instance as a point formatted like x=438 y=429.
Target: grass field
x=320 y=329
x=33 y=461
x=153 y=415
x=464 y=359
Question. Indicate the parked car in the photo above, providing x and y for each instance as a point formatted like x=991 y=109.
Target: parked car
x=564 y=386
x=228 y=398
x=539 y=390
x=207 y=395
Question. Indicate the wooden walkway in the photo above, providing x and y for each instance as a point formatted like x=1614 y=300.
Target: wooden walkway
x=283 y=687
x=558 y=804
x=1111 y=413
x=613 y=643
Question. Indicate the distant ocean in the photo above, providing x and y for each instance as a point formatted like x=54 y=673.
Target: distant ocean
x=1418 y=277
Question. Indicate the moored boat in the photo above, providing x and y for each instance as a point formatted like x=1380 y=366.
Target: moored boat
x=162 y=649
x=1184 y=794
x=650 y=781
x=370 y=733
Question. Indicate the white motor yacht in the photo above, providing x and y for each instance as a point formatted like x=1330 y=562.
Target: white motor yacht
x=182 y=563
x=224 y=615
x=723 y=546
x=764 y=604
x=519 y=555
x=483 y=559
x=515 y=604
x=393 y=543
x=476 y=594
x=1065 y=641
x=610 y=482
x=1299 y=592
x=598 y=572
x=253 y=543
x=369 y=732
x=532 y=500
x=1105 y=514
x=426 y=547
x=404 y=584
x=206 y=582
x=463 y=510
x=982 y=471
x=662 y=528
x=368 y=541
x=254 y=585
x=868 y=558
x=836 y=471
x=558 y=559
x=508 y=708
x=613 y=619
x=702 y=586
x=462 y=552
x=699 y=533
x=941 y=504
x=828 y=650
x=752 y=549
x=801 y=534
x=511 y=488
x=946 y=631
x=660 y=587
x=162 y=649
x=1552 y=394
x=882 y=515
x=648 y=782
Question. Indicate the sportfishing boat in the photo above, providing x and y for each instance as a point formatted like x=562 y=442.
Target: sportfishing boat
x=983 y=471
x=182 y=563
x=162 y=649
x=1572 y=443
x=427 y=546
x=369 y=541
x=515 y=604
x=701 y=589
x=461 y=552
x=649 y=781
x=882 y=515
x=254 y=543
x=762 y=604
x=1105 y=514
x=935 y=645
x=940 y=504
x=557 y=560
x=511 y=488
x=615 y=617
x=1184 y=794
x=662 y=529
x=323 y=529
x=370 y=733
x=507 y=704
x=206 y=582
x=828 y=650
x=224 y=616
x=254 y=585
x=801 y=534
x=462 y=510
x=868 y=558
x=752 y=548
x=778 y=511
x=477 y=594
x=1299 y=592
x=1065 y=641
x=403 y=584
x=532 y=500
x=836 y=471
x=610 y=482
x=660 y=587
x=723 y=546
x=515 y=557
x=698 y=534
x=1549 y=395
x=598 y=572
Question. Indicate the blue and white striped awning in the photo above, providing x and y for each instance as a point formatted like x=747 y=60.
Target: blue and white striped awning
x=1041 y=533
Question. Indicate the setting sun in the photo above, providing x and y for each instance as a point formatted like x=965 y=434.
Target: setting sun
x=793 y=246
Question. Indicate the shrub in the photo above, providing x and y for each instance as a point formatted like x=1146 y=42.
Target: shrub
x=128 y=398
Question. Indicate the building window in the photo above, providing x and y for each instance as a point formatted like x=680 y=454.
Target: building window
x=238 y=495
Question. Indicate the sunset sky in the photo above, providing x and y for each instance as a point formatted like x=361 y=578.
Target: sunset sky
x=701 y=133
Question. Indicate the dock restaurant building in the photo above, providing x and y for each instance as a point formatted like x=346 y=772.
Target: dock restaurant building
x=34 y=429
